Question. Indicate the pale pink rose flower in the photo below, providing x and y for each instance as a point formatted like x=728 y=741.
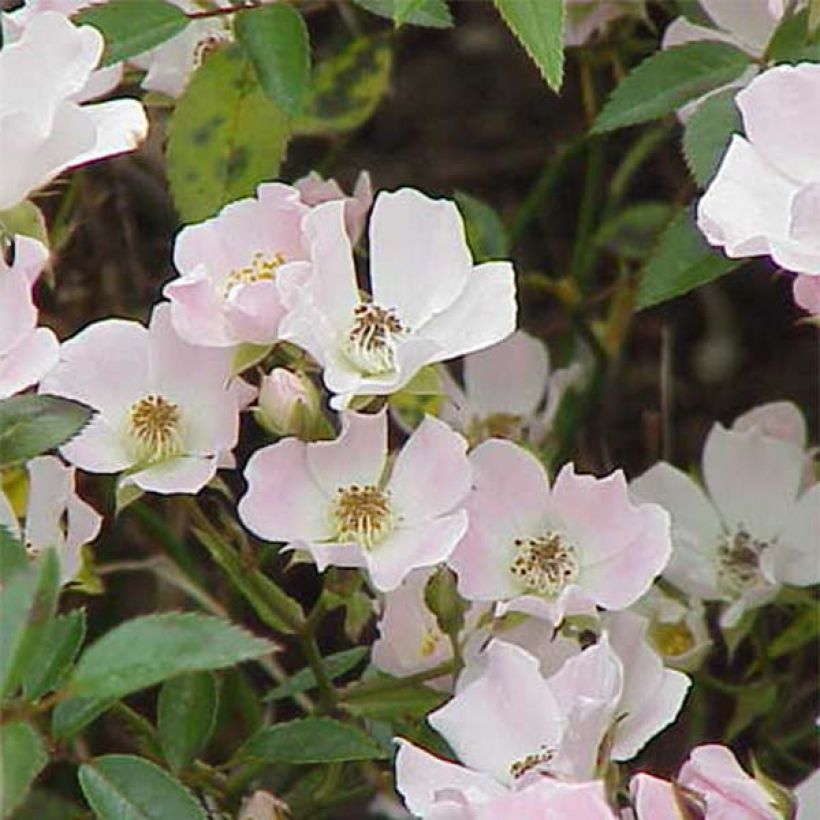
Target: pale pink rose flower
x=166 y=412
x=765 y=198
x=43 y=128
x=428 y=301
x=56 y=517
x=27 y=352
x=337 y=500
x=226 y=293
x=727 y=792
x=549 y=551
x=806 y=292
x=509 y=391
x=315 y=190
x=170 y=65
x=754 y=531
x=656 y=799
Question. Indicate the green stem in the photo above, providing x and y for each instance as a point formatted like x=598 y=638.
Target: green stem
x=368 y=688
x=583 y=251
x=328 y=695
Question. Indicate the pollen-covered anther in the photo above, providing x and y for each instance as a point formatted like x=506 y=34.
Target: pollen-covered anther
x=155 y=425
x=362 y=514
x=262 y=268
x=738 y=562
x=371 y=341
x=544 y=565
x=519 y=768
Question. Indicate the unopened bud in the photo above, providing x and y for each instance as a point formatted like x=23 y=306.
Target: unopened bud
x=263 y=806
x=288 y=403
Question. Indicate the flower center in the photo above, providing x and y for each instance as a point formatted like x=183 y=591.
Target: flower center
x=738 y=563
x=672 y=639
x=371 y=341
x=519 y=768
x=155 y=427
x=261 y=269
x=544 y=565
x=362 y=514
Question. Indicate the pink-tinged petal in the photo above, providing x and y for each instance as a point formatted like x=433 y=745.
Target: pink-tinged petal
x=419 y=259
x=357 y=456
x=420 y=776
x=197 y=310
x=84 y=524
x=283 y=501
x=30 y=361
x=18 y=315
x=424 y=544
x=98 y=448
x=253 y=313
x=332 y=555
x=431 y=474
x=120 y=126
x=807 y=795
x=183 y=474
x=510 y=377
x=600 y=517
x=780 y=115
x=509 y=501
x=506 y=714
x=587 y=689
x=30 y=257
x=357 y=207
x=93 y=365
x=546 y=798
x=747 y=206
x=680 y=32
x=654 y=798
x=806 y=292
x=795 y=556
x=771 y=469
x=729 y=793
x=51 y=484
x=752 y=23
x=779 y=419
x=482 y=315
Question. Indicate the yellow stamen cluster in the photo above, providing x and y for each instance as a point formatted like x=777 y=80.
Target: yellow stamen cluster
x=362 y=514
x=544 y=565
x=261 y=269
x=154 y=424
x=738 y=563
x=520 y=767
x=371 y=341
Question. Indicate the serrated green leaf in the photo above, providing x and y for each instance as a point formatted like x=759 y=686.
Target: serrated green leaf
x=312 y=740
x=539 y=26
x=133 y=26
x=669 y=79
x=802 y=630
x=54 y=654
x=347 y=87
x=225 y=136
x=335 y=665
x=22 y=757
x=186 y=714
x=681 y=262
x=124 y=787
x=27 y=605
x=74 y=714
x=707 y=134
x=31 y=425
x=427 y=13
x=147 y=650
x=276 y=40
x=486 y=234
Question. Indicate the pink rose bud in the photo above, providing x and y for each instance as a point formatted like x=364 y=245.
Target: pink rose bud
x=288 y=403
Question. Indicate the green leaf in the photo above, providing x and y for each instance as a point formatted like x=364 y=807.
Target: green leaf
x=142 y=735
x=74 y=714
x=681 y=262
x=186 y=714
x=753 y=702
x=45 y=805
x=803 y=629
x=124 y=787
x=707 y=134
x=486 y=234
x=27 y=606
x=428 y=13
x=312 y=740
x=668 y=79
x=347 y=87
x=25 y=219
x=13 y=556
x=391 y=699
x=225 y=136
x=633 y=232
x=335 y=665
x=144 y=651
x=133 y=26
x=794 y=41
x=276 y=40
x=539 y=27
x=22 y=757
x=814 y=16
x=31 y=425
x=54 y=654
